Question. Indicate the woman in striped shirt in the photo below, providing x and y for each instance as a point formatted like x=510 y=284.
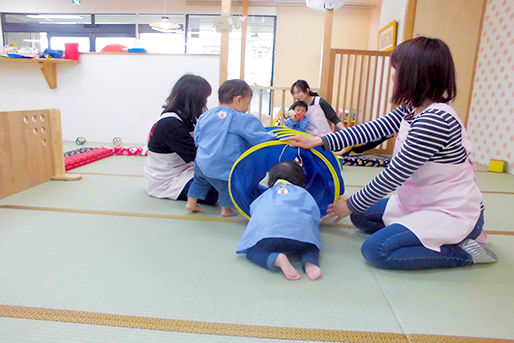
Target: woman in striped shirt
x=436 y=213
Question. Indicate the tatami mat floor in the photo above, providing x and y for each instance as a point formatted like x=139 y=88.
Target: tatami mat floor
x=97 y=260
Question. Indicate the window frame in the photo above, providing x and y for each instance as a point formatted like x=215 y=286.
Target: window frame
x=93 y=30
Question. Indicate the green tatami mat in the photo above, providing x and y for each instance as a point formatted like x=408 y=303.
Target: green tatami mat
x=15 y=331
x=101 y=192
x=495 y=182
x=180 y=270
x=471 y=301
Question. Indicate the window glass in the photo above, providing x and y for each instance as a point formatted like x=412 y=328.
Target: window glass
x=101 y=42
x=202 y=36
x=48 y=18
x=57 y=42
x=34 y=40
x=163 y=43
x=259 y=50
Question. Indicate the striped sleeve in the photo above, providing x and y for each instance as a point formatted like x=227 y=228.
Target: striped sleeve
x=367 y=132
x=429 y=133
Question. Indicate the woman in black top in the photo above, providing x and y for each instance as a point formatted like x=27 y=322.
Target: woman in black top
x=318 y=106
x=169 y=167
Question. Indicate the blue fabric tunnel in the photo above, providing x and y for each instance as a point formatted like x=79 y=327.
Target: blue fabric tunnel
x=323 y=171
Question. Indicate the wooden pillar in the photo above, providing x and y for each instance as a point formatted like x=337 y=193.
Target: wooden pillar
x=325 y=53
x=244 y=31
x=225 y=13
x=410 y=16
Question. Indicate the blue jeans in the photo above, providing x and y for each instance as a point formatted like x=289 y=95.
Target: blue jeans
x=265 y=252
x=396 y=247
x=202 y=184
x=210 y=199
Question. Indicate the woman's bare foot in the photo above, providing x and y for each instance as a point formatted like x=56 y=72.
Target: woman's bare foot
x=192 y=206
x=286 y=267
x=228 y=211
x=313 y=271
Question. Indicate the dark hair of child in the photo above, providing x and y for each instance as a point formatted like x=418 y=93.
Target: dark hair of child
x=188 y=98
x=232 y=88
x=299 y=103
x=289 y=171
x=303 y=86
x=424 y=71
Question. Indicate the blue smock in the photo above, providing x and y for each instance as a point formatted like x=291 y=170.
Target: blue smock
x=301 y=125
x=222 y=135
x=282 y=211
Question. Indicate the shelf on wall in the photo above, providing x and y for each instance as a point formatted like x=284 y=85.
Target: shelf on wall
x=48 y=67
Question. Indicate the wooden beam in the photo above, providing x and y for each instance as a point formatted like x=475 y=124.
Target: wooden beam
x=225 y=12
x=325 y=53
x=410 y=16
x=244 y=31
x=477 y=49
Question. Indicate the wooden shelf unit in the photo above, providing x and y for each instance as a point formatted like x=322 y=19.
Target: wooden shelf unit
x=48 y=66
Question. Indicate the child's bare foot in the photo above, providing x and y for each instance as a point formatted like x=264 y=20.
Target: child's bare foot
x=228 y=211
x=286 y=267
x=192 y=206
x=313 y=271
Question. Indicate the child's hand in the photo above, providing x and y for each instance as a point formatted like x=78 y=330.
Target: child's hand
x=297 y=117
x=339 y=209
x=302 y=141
x=289 y=114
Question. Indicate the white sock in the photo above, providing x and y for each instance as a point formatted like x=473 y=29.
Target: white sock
x=478 y=252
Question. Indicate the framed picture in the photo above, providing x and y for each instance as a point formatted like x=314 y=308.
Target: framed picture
x=387 y=37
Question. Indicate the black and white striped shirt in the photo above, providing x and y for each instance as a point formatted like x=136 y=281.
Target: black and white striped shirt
x=434 y=135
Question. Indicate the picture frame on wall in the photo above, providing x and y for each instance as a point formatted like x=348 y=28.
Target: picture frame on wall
x=387 y=37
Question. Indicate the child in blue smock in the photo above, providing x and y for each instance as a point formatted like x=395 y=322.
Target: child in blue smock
x=221 y=135
x=284 y=220
x=298 y=121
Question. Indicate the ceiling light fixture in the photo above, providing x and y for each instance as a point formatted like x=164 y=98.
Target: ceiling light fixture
x=164 y=25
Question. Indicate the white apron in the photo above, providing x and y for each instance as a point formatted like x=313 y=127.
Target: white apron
x=439 y=203
x=166 y=175
x=319 y=123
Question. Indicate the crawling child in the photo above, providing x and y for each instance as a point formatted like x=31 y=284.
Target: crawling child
x=284 y=220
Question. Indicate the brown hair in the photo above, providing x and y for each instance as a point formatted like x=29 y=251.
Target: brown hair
x=424 y=71
x=232 y=88
x=304 y=86
x=188 y=98
x=300 y=103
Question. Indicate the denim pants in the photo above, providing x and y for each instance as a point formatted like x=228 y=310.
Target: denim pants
x=202 y=184
x=210 y=199
x=396 y=247
x=265 y=252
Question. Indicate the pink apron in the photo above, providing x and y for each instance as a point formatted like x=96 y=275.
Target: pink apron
x=439 y=203
x=319 y=123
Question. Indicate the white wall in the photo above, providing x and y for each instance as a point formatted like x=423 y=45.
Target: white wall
x=394 y=10
x=491 y=114
x=105 y=95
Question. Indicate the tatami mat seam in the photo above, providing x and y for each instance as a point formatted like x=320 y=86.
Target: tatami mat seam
x=227 y=329
x=180 y=217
